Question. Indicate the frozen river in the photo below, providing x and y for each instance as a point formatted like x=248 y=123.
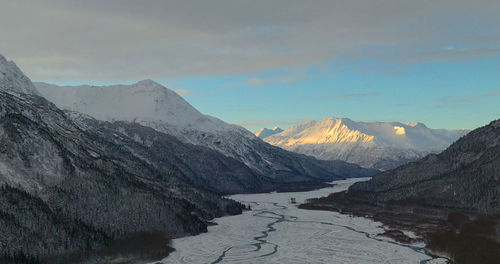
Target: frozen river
x=276 y=231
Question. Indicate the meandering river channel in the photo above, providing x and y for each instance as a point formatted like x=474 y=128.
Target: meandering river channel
x=276 y=231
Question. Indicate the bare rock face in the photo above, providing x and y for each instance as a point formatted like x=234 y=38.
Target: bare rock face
x=465 y=176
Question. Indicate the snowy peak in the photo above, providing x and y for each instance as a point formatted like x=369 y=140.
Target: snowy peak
x=13 y=79
x=380 y=145
x=266 y=132
x=328 y=130
x=387 y=134
x=145 y=102
x=151 y=104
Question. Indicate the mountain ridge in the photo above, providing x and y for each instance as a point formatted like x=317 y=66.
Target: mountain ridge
x=381 y=145
x=165 y=111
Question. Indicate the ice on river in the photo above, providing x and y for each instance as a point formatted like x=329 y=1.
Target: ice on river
x=276 y=231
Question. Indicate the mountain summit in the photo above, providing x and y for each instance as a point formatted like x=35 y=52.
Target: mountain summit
x=145 y=101
x=381 y=145
x=13 y=79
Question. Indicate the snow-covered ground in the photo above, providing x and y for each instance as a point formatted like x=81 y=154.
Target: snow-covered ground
x=276 y=231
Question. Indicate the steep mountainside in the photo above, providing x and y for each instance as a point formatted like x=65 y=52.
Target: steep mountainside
x=91 y=182
x=381 y=145
x=150 y=104
x=465 y=176
x=65 y=186
x=201 y=167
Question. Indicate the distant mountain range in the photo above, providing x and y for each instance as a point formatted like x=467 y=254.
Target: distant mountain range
x=380 y=145
x=451 y=200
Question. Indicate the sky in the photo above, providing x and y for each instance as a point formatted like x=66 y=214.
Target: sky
x=275 y=62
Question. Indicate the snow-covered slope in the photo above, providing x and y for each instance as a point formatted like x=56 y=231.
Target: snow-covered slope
x=266 y=132
x=70 y=185
x=381 y=145
x=12 y=78
x=145 y=102
x=149 y=103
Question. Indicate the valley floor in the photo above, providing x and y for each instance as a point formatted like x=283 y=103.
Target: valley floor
x=276 y=231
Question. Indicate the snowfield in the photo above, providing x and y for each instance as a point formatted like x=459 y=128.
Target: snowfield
x=276 y=231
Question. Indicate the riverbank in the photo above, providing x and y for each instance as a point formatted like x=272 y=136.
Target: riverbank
x=462 y=236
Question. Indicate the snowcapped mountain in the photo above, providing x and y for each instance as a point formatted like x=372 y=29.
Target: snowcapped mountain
x=12 y=78
x=150 y=104
x=146 y=102
x=381 y=145
x=76 y=183
x=266 y=132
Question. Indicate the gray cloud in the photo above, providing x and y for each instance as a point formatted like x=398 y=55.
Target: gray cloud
x=110 y=40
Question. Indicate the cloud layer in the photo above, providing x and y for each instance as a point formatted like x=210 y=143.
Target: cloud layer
x=117 y=40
